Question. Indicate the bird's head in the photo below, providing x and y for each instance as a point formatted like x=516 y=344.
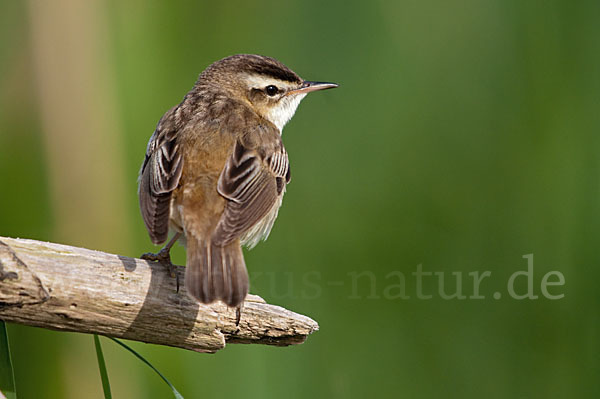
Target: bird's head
x=270 y=88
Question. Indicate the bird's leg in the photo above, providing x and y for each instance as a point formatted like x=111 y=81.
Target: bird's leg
x=164 y=256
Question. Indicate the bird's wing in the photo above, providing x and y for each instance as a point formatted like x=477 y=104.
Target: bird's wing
x=252 y=183
x=159 y=176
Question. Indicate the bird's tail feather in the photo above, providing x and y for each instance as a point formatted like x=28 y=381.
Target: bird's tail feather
x=216 y=272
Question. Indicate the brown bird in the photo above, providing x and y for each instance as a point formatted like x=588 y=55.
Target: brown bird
x=216 y=170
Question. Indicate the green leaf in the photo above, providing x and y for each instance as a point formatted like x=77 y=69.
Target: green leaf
x=102 y=366
x=7 y=376
x=175 y=393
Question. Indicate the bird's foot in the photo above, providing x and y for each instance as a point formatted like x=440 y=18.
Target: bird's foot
x=163 y=256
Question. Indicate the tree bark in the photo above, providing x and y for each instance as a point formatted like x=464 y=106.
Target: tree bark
x=75 y=289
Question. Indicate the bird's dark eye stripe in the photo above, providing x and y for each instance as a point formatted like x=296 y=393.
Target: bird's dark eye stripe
x=271 y=90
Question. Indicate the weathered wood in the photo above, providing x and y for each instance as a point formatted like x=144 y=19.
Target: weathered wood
x=74 y=289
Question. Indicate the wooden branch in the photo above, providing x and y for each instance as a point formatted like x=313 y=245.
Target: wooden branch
x=74 y=289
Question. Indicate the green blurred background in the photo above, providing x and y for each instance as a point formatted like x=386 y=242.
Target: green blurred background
x=464 y=135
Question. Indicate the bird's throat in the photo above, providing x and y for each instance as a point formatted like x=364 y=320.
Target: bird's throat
x=281 y=114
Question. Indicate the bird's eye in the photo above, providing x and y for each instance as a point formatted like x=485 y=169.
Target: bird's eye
x=271 y=90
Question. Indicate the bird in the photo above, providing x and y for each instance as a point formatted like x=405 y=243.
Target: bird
x=215 y=171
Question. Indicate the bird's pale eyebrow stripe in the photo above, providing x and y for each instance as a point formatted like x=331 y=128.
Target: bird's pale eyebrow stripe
x=259 y=82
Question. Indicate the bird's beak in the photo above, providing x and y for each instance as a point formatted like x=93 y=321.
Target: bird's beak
x=309 y=86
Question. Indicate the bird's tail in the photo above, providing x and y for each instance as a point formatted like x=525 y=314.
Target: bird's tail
x=216 y=272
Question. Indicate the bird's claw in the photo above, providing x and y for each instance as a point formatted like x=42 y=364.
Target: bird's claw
x=238 y=314
x=163 y=256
